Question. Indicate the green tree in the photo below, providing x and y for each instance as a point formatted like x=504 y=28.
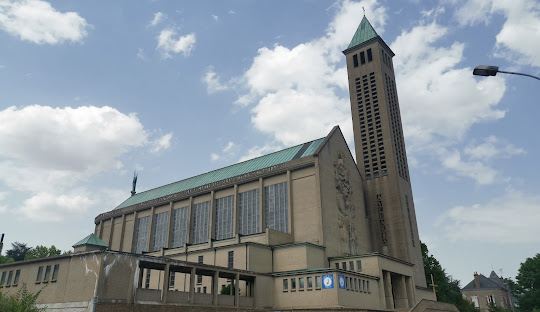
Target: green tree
x=18 y=251
x=4 y=259
x=42 y=252
x=22 y=301
x=447 y=289
x=528 y=284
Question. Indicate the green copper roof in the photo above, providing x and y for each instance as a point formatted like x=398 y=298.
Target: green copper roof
x=91 y=239
x=363 y=33
x=244 y=167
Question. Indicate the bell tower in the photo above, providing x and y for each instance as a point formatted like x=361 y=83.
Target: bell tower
x=380 y=148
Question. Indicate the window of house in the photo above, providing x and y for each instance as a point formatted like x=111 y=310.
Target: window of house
x=10 y=276
x=355 y=60
x=161 y=230
x=310 y=283
x=16 y=279
x=199 y=223
x=490 y=299
x=285 y=284
x=172 y=278
x=179 y=227
x=199 y=290
x=230 y=259
x=362 y=59
x=55 y=272
x=147 y=283
x=318 y=282
x=47 y=274
x=142 y=230
x=474 y=300
x=224 y=217
x=276 y=207
x=337 y=265
x=204 y=289
x=39 y=273
x=248 y=212
x=301 y=283
x=359 y=265
x=293 y=284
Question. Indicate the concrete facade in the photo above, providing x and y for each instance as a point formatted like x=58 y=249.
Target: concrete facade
x=307 y=229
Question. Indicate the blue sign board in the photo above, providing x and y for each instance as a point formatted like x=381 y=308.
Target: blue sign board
x=328 y=281
x=341 y=281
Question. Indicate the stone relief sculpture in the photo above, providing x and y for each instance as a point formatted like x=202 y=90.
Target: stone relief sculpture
x=346 y=211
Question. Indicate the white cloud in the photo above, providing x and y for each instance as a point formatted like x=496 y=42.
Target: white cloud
x=475 y=170
x=212 y=81
x=158 y=18
x=512 y=217
x=162 y=143
x=51 y=207
x=167 y=44
x=214 y=156
x=231 y=12
x=227 y=152
x=38 y=22
x=140 y=54
x=215 y=17
x=49 y=154
x=492 y=147
x=229 y=146
x=519 y=38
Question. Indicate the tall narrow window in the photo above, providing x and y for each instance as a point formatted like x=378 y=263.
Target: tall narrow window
x=161 y=230
x=293 y=284
x=358 y=265
x=179 y=227
x=369 y=56
x=248 y=212
x=39 y=273
x=199 y=223
x=47 y=273
x=224 y=217
x=3 y=279
x=301 y=283
x=351 y=265
x=16 y=279
x=10 y=276
x=285 y=284
x=171 y=279
x=275 y=207
x=200 y=260
x=148 y=275
x=55 y=272
x=318 y=281
x=355 y=60
x=230 y=259
x=310 y=283
x=362 y=58
x=141 y=234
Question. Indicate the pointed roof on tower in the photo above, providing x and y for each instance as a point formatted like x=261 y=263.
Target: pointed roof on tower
x=363 y=33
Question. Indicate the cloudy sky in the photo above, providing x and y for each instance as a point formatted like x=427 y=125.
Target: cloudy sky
x=90 y=92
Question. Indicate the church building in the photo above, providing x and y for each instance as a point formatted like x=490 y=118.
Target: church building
x=304 y=228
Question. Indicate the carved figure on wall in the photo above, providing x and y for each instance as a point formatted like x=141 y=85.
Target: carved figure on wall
x=346 y=211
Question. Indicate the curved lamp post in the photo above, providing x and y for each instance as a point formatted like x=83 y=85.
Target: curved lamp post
x=488 y=70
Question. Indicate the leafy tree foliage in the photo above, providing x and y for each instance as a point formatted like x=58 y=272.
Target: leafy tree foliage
x=42 y=252
x=18 y=251
x=22 y=301
x=447 y=289
x=528 y=284
x=4 y=259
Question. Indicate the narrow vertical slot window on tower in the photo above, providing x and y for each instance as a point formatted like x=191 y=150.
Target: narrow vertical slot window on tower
x=362 y=58
x=355 y=60
x=369 y=55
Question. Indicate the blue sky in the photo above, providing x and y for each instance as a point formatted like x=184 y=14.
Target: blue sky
x=90 y=92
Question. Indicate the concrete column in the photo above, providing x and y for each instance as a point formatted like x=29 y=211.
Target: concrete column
x=135 y=214
x=165 y=288
x=191 y=286
x=388 y=290
x=289 y=201
x=410 y=291
x=109 y=240
x=400 y=292
x=212 y=221
x=236 y=290
x=190 y=217
x=235 y=211
x=122 y=230
x=262 y=217
x=215 y=285
x=150 y=246
x=168 y=243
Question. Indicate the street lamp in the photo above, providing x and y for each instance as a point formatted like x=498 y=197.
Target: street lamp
x=488 y=70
